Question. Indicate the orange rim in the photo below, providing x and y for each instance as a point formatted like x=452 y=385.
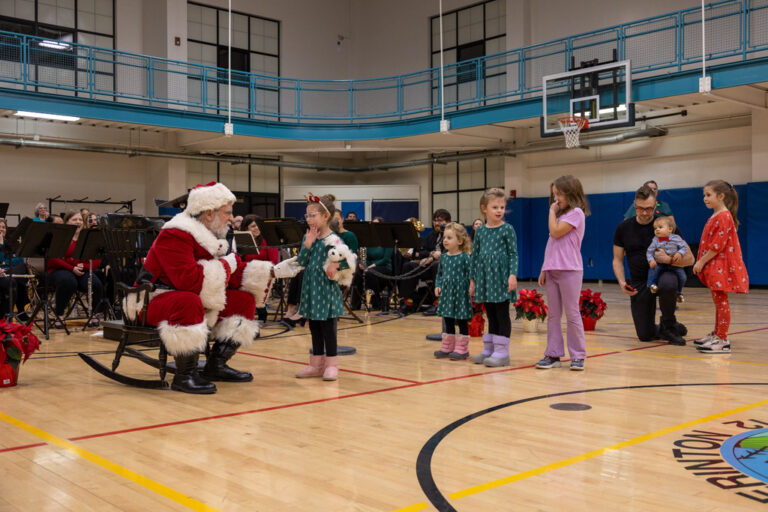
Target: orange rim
x=583 y=122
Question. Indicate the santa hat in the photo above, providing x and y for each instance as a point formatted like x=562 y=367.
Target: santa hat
x=211 y=196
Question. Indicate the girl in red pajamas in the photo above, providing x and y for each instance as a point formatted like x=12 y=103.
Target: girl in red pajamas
x=720 y=266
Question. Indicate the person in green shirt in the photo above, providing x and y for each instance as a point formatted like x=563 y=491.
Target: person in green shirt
x=378 y=259
x=662 y=208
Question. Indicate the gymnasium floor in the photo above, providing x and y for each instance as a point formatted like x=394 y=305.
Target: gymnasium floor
x=399 y=430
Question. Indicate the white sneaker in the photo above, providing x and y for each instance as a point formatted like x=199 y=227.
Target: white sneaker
x=706 y=340
x=716 y=346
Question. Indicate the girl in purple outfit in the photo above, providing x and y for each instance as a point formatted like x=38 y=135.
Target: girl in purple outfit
x=562 y=272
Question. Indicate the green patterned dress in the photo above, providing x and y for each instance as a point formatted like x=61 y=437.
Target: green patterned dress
x=320 y=296
x=453 y=281
x=494 y=259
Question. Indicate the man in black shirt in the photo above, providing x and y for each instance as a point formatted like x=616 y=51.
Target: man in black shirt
x=632 y=238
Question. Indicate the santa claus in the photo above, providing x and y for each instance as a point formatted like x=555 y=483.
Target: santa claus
x=202 y=288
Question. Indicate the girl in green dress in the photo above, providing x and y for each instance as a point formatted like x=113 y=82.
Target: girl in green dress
x=452 y=290
x=494 y=276
x=321 y=301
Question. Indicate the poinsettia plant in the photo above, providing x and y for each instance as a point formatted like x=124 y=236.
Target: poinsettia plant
x=591 y=305
x=530 y=305
x=17 y=344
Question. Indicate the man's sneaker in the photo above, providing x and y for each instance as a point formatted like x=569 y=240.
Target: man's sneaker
x=577 y=365
x=716 y=346
x=653 y=288
x=549 y=362
x=706 y=340
x=672 y=337
x=680 y=298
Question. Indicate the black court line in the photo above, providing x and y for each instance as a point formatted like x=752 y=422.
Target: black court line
x=424 y=460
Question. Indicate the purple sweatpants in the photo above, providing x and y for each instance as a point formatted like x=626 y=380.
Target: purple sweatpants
x=563 y=291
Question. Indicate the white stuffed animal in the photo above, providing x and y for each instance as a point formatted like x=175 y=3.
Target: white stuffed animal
x=338 y=252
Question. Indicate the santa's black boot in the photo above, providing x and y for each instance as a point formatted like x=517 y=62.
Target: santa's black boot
x=187 y=379
x=216 y=368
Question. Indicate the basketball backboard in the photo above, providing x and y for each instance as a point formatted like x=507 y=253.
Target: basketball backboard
x=601 y=93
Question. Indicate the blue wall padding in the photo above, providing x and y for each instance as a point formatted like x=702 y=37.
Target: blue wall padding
x=354 y=206
x=295 y=209
x=528 y=215
x=395 y=211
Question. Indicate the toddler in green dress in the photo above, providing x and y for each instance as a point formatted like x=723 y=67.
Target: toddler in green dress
x=321 y=301
x=494 y=276
x=452 y=290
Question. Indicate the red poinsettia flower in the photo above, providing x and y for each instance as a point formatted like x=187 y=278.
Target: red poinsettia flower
x=17 y=343
x=591 y=304
x=530 y=305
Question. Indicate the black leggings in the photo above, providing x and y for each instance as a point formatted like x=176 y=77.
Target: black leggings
x=324 y=337
x=450 y=325
x=498 y=318
x=66 y=283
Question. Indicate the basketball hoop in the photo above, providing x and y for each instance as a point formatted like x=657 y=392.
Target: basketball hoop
x=571 y=127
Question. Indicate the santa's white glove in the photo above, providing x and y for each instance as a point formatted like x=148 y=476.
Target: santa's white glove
x=231 y=260
x=287 y=268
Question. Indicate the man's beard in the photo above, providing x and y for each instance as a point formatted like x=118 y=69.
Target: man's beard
x=219 y=228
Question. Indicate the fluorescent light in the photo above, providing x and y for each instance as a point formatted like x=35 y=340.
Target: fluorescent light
x=40 y=115
x=56 y=45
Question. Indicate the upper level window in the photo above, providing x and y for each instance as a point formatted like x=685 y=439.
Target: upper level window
x=469 y=33
x=255 y=40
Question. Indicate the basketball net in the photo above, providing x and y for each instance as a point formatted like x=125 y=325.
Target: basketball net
x=571 y=127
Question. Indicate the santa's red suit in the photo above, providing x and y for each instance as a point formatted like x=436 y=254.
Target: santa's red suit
x=202 y=290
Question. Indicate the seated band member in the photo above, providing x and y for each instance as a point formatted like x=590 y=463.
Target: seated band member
x=433 y=248
x=68 y=275
x=201 y=287
x=11 y=265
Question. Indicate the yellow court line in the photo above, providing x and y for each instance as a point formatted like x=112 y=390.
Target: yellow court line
x=600 y=451
x=111 y=466
x=413 y=508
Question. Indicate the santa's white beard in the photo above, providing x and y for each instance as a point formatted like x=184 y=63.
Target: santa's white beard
x=219 y=228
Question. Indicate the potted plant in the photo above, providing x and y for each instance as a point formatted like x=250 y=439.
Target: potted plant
x=16 y=345
x=477 y=324
x=531 y=308
x=592 y=308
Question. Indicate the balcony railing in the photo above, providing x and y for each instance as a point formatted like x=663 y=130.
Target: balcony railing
x=737 y=30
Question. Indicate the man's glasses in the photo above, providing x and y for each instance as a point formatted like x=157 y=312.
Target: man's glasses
x=644 y=210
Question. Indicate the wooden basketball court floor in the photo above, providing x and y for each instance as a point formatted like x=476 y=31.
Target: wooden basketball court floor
x=399 y=430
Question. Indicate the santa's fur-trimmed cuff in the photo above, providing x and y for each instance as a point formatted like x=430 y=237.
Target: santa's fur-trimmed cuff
x=237 y=329
x=183 y=340
x=213 y=293
x=257 y=281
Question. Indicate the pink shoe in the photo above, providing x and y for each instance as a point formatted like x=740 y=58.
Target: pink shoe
x=314 y=369
x=449 y=341
x=331 y=371
x=461 y=351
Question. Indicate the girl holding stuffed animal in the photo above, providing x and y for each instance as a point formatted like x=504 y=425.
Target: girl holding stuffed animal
x=452 y=290
x=321 y=301
x=494 y=276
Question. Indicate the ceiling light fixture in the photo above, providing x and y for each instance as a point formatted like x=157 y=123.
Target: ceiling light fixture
x=55 y=45
x=41 y=115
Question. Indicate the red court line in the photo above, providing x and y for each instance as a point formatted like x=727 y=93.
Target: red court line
x=340 y=369
x=297 y=404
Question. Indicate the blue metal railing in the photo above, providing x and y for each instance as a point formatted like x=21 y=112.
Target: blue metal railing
x=737 y=30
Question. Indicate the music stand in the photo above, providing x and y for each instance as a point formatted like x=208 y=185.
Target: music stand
x=9 y=248
x=45 y=240
x=4 y=209
x=367 y=236
x=279 y=233
x=397 y=235
x=92 y=246
x=246 y=243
